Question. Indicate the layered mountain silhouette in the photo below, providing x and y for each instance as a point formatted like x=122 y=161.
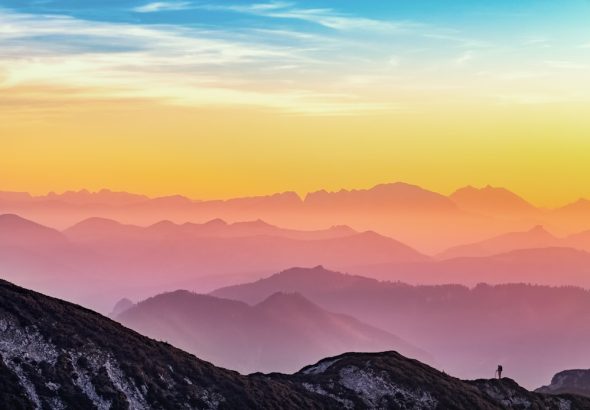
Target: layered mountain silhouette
x=19 y=232
x=121 y=306
x=537 y=237
x=57 y=355
x=492 y=201
x=467 y=330
x=426 y=220
x=386 y=208
x=280 y=334
x=579 y=240
x=122 y=260
x=557 y=266
x=132 y=261
x=94 y=229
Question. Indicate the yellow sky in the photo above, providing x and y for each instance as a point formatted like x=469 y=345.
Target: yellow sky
x=218 y=101
x=540 y=151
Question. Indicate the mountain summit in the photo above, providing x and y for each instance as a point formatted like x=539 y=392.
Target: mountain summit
x=492 y=200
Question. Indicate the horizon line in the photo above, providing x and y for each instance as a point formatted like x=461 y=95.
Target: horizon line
x=302 y=196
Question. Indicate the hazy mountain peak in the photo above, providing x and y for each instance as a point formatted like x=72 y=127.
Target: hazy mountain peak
x=121 y=306
x=163 y=224
x=290 y=196
x=97 y=222
x=398 y=195
x=216 y=222
x=489 y=199
x=18 y=231
x=581 y=205
x=258 y=223
x=342 y=228
x=540 y=230
x=534 y=238
x=288 y=300
x=13 y=219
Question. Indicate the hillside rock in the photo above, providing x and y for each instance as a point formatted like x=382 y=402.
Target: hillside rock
x=56 y=355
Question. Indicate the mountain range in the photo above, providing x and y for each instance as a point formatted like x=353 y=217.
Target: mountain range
x=56 y=355
x=467 y=330
x=122 y=260
x=283 y=333
x=132 y=261
x=428 y=221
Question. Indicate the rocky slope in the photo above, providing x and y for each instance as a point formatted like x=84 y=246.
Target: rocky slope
x=569 y=381
x=56 y=355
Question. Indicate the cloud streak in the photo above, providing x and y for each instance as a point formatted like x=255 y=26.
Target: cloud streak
x=163 y=6
x=176 y=65
x=326 y=17
x=339 y=63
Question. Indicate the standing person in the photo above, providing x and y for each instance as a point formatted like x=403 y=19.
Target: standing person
x=499 y=371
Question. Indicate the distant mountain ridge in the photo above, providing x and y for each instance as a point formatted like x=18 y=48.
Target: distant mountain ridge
x=56 y=355
x=492 y=200
x=467 y=330
x=132 y=261
x=428 y=221
x=20 y=232
x=537 y=237
x=280 y=334
x=103 y=228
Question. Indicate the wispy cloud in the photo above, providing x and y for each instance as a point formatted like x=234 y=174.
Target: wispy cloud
x=325 y=17
x=566 y=65
x=171 y=64
x=162 y=6
x=348 y=64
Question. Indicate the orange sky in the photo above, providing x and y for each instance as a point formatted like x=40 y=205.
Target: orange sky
x=294 y=97
x=541 y=152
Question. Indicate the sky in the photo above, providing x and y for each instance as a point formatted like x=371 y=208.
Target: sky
x=215 y=99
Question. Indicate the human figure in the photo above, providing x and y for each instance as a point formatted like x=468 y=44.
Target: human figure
x=499 y=371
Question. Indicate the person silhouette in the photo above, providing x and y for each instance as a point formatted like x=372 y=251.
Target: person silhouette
x=499 y=371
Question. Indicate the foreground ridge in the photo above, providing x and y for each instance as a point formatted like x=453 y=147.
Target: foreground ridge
x=56 y=355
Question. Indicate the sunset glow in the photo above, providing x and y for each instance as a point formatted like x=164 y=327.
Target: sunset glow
x=222 y=99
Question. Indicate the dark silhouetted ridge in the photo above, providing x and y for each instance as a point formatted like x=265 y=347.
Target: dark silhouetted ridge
x=55 y=354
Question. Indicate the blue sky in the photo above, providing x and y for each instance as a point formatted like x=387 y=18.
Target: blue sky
x=309 y=52
x=492 y=17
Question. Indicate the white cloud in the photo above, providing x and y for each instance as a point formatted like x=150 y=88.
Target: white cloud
x=169 y=64
x=162 y=6
x=280 y=67
x=326 y=17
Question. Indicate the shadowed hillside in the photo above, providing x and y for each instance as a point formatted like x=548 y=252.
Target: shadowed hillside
x=56 y=355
